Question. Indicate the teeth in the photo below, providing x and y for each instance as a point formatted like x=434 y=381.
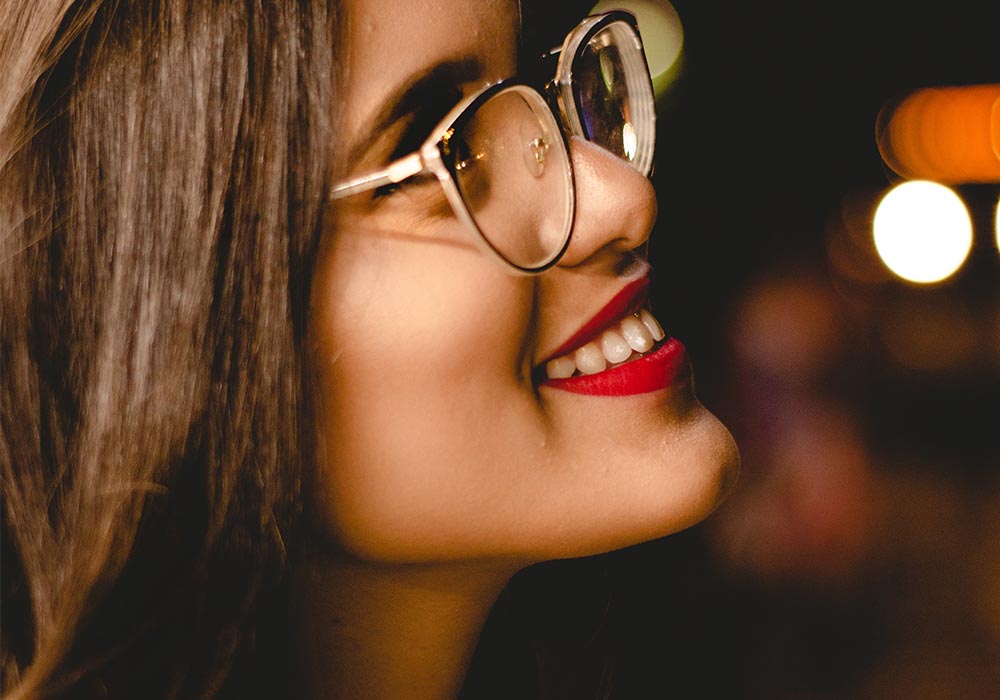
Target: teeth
x=560 y=368
x=635 y=334
x=653 y=325
x=589 y=359
x=614 y=347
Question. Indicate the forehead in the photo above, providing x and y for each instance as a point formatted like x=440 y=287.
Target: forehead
x=388 y=40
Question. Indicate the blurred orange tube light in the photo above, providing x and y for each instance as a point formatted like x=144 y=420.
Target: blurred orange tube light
x=947 y=134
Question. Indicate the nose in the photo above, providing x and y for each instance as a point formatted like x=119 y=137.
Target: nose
x=615 y=206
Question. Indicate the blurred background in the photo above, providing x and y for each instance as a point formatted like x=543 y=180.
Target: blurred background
x=859 y=556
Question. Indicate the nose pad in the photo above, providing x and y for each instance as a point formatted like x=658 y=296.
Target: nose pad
x=535 y=148
x=534 y=156
x=615 y=205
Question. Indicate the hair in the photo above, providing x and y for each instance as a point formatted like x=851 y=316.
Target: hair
x=163 y=169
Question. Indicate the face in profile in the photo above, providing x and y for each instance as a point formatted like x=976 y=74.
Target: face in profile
x=467 y=411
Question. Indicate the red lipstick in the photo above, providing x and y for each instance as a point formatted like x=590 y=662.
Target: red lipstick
x=657 y=370
x=629 y=300
x=653 y=371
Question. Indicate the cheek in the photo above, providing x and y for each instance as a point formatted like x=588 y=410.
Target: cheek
x=395 y=311
x=415 y=344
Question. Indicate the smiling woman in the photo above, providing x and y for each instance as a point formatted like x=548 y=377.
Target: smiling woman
x=279 y=386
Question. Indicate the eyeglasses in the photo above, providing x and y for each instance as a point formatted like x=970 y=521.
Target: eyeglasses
x=503 y=160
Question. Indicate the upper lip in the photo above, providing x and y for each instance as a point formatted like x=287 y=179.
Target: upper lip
x=628 y=300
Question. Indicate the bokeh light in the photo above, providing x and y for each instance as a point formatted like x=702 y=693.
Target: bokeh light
x=946 y=134
x=662 y=36
x=996 y=223
x=923 y=231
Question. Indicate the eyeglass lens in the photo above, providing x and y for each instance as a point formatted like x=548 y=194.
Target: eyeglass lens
x=614 y=100
x=510 y=163
x=514 y=176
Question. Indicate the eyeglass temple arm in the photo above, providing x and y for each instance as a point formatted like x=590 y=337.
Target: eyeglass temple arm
x=397 y=171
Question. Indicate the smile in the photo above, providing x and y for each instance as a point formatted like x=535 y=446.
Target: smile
x=634 y=336
x=623 y=350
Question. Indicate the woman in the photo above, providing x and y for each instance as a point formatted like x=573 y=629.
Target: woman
x=247 y=331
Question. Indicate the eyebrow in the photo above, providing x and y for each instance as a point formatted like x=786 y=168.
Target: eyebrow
x=415 y=91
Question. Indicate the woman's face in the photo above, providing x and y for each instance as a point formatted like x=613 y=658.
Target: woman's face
x=439 y=437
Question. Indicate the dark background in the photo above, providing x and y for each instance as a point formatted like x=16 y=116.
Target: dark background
x=772 y=123
x=859 y=555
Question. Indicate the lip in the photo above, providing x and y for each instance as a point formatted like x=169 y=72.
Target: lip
x=629 y=300
x=653 y=372
x=657 y=370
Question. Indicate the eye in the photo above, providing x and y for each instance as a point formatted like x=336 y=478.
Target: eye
x=465 y=156
x=417 y=125
x=409 y=183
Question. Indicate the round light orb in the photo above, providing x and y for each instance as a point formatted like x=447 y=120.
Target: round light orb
x=923 y=231
x=662 y=35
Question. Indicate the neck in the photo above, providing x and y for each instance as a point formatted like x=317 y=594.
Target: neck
x=370 y=631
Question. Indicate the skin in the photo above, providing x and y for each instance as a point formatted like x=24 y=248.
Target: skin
x=442 y=469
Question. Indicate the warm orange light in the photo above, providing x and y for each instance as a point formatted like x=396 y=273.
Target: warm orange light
x=947 y=134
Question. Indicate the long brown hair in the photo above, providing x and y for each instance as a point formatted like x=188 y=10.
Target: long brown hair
x=162 y=170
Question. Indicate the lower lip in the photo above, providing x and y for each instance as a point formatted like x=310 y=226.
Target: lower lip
x=653 y=372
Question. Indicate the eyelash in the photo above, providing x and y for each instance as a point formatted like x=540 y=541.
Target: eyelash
x=386 y=190
x=418 y=126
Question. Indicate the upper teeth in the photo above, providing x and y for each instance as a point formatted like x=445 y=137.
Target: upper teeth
x=634 y=334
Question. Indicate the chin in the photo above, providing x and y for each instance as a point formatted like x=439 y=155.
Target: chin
x=721 y=464
x=689 y=464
